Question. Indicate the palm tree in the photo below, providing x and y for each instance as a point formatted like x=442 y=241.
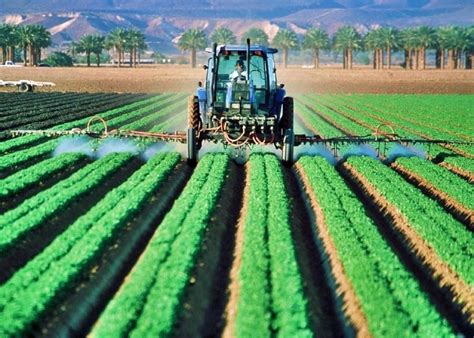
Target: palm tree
x=443 y=42
x=374 y=41
x=223 y=36
x=408 y=43
x=8 y=41
x=256 y=35
x=192 y=40
x=86 y=45
x=116 y=40
x=347 y=39
x=25 y=36
x=390 y=40
x=286 y=40
x=424 y=37
x=91 y=44
x=316 y=39
x=32 y=38
x=470 y=48
x=135 y=40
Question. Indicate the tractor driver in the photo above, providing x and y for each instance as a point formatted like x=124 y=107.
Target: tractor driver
x=239 y=74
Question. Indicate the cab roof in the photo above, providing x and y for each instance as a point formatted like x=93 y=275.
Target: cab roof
x=243 y=48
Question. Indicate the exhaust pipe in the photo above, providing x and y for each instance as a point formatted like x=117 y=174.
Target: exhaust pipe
x=248 y=59
x=214 y=75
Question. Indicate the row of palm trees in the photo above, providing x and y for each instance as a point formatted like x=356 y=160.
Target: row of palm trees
x=30 y=38
x=382 y=41
x=450 y=43
x=121 y=40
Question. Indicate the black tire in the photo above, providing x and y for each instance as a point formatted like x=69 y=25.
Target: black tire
x=24 y=88
x=286 y=121
x=194 y=117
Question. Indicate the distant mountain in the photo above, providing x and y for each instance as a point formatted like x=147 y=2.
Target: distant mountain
x=164 y=21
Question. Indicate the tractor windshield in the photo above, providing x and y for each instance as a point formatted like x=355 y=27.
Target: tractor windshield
x=228 y=72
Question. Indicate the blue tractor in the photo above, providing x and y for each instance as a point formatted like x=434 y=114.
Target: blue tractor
x=242 y=107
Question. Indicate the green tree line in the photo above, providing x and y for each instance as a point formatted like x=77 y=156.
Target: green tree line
x=450 y=43
x=33 y=38
x=454 y=46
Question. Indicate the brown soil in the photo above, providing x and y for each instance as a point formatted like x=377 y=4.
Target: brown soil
x=448 y=279
x=234 y=286
x=351 y=304
x=461 y=212
x=182 y=78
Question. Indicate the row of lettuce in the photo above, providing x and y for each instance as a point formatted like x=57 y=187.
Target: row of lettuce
x=135 y=116
x=40 y=115
x=362 y=114
x=322 y=115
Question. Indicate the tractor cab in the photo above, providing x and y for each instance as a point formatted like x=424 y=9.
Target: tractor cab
x=249 y=93
x=240 y=83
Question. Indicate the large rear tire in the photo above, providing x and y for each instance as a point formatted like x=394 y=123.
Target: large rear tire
x=194 y=117
x=286 y=121
x=288 y=147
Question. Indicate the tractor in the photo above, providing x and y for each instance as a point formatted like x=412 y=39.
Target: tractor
x=246 y=109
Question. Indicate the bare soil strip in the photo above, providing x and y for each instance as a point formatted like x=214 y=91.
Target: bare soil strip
x=347 y=300
x=447 y=279
x=458 y=171
x=459 y=211
x=81 y=305
x=233 y=290
x=205 y=300
x=17 y=199
x=39 y=238
x=322 y=310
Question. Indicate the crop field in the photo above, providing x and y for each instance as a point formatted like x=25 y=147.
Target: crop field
x=118 y=238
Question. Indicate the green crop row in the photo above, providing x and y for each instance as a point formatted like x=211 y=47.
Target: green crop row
x=372 y=118
x=271 y=297
x=36 y=173
x=9 y=145
x=20 y=157
x=333 y=116
x=391 y=298
x=448 y=237
x=451 y=113
x=148 y=304
x=400 y=114
x=315 y=122
x=442 y=179
x=37 y=286
x=37 y=209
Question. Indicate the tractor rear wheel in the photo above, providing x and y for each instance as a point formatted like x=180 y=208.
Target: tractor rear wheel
x=286 y=121
x=194 y=117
